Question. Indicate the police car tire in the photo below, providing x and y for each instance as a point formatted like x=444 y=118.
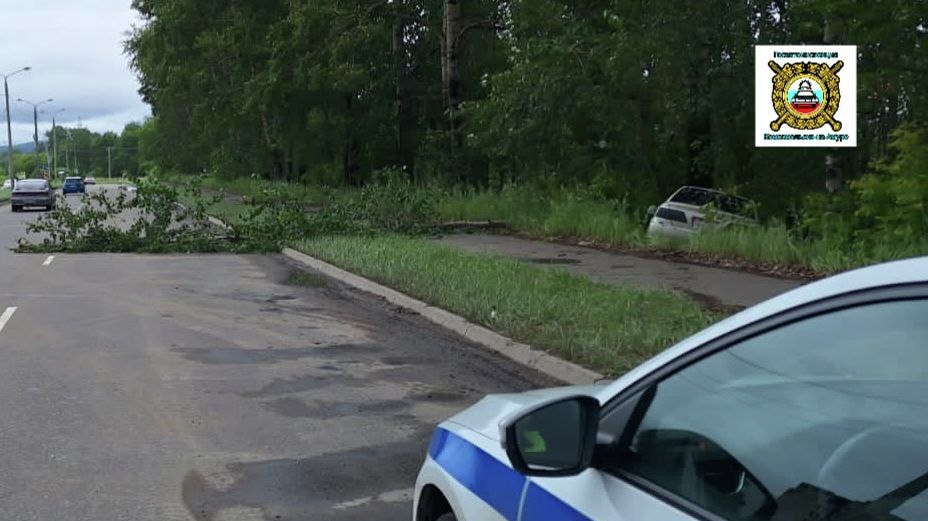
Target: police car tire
x=447 y=517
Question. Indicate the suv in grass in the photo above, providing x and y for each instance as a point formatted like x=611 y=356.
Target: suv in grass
x=691 y=208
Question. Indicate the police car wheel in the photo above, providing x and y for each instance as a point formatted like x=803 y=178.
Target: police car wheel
x=447 y=517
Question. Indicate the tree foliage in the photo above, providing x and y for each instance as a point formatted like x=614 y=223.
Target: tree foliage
x=633 y=98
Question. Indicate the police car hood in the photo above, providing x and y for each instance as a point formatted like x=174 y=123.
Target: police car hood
x=486 y=415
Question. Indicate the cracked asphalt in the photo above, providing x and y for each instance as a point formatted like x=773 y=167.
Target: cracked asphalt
x=216 y=387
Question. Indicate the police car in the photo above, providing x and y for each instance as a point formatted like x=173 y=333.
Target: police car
x=812 y=405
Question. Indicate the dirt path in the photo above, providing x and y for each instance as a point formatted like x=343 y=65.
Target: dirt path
x=714 y=287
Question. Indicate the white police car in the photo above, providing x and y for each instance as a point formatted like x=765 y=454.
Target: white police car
x=812 y=405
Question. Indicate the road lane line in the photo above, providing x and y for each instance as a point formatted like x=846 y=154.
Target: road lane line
x=5 y=317
x=48 y=260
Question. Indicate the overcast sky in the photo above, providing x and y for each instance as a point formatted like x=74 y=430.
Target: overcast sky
x=75 y=50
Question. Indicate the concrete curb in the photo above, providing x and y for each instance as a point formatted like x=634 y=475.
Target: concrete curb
x=540 y=361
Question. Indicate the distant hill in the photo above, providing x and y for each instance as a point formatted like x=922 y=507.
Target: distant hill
x=26 y=147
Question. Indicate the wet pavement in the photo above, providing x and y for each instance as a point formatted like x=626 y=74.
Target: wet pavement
x=217 y=387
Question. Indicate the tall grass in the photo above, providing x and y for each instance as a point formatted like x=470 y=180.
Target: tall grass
x=774 y=244
x=4 y=194
x=771 y=244
x=559 y=213
x=605 y=327
x=251 y=187
x=574 y=214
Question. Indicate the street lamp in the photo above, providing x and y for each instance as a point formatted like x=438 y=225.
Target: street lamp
x=9 y=130
x=35 y=122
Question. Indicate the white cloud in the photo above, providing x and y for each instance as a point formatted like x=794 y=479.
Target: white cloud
x=75 y=49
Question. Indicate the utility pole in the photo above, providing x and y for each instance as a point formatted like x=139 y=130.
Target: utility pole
x=109 y=162
x=55 y=142
x=9 y=128
x=35 y=122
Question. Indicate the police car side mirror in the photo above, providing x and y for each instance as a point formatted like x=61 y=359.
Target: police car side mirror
x=553 y=439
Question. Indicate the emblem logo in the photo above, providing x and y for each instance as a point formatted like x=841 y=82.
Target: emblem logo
x=806 y=95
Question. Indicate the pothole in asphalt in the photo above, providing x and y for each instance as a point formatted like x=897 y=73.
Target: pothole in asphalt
x=306 y=279
x=303 y=383
x=406 y=360
x=296 y=408
x=235 y=355
x=438 y=396
x=277 y=298
x=299 y=489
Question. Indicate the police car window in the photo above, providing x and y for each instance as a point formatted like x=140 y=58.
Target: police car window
x=824 y=419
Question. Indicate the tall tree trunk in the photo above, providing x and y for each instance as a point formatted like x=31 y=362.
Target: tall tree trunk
x=452 y=39
x=349 y=165
x=276 y=159
x=451 y=76
x=403 y=158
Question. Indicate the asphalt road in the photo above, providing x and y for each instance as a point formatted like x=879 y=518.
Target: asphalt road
x=216 y=387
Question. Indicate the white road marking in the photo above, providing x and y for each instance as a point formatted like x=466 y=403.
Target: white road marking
x=48 y=260
x=5 y=317
x=394 y=496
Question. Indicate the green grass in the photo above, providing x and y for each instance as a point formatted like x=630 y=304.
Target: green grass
x=565 y=215
x=562 y=214
x=605 y=327
x=251 y=187
x=4 y=194
x=774 y=244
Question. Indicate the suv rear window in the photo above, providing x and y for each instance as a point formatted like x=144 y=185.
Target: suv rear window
x=671 y=215
x=701 y=197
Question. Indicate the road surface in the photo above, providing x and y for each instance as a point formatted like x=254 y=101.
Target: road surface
x=215 y=387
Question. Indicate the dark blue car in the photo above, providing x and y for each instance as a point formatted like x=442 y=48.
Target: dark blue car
x=73 y=185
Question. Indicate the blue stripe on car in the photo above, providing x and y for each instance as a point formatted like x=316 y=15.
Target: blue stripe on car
x=494 y=482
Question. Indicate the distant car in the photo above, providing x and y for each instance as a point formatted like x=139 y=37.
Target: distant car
x=73 y=185
x=812 y=405
x=7 y=184
x=90 y=181
x=691 y=208
x=32 y=192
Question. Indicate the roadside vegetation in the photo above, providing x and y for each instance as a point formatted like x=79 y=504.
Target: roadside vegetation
x=4 y=194
x=353 y=133
x=605 y=327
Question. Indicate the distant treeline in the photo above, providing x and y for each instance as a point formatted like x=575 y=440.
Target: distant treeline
x=631 y=98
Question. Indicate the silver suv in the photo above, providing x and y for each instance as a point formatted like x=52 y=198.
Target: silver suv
x=691 y=208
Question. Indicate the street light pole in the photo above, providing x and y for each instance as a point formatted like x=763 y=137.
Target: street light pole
x=55 y=142
x=35 y=122
x=9 y=129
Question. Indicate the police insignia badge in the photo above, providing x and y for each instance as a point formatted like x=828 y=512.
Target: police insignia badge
x=806 y=95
